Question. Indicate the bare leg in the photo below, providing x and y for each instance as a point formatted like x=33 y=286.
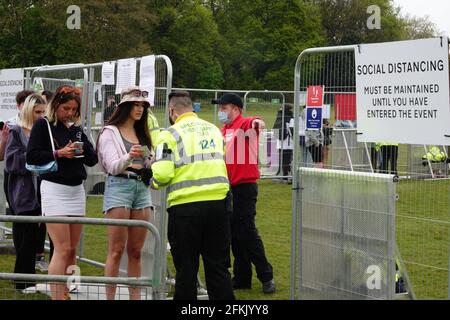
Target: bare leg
x=136 y=240
x=60 y=234
x=75 y=235
x=117 y=238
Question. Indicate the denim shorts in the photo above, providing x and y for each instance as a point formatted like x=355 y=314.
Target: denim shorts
x=128 y=193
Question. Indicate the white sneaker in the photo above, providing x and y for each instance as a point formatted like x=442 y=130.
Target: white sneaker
x=74 y=288
x=29 y=290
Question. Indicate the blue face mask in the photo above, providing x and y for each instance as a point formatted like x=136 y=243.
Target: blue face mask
x=223 y=117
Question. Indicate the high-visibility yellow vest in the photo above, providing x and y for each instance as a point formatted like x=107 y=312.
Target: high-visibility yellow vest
x=194 y=169
x=435 y=154
x=378 y=145
x=153 y=128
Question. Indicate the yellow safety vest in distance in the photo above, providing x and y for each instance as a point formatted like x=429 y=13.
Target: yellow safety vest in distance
x=153 y=128
x=195 y=169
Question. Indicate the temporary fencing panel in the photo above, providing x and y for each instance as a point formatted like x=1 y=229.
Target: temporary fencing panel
x=347 y=235
x=421 y=245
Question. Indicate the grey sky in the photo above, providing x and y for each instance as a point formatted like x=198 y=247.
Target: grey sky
x=437 y=10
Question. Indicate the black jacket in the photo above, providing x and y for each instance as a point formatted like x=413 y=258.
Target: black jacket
x=70 y=172
x=281 y=122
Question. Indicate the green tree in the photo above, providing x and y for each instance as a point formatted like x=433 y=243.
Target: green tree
x=188 y=34
x=419 y=27
x=35 y=32
x=345 y=21
x=263 y=40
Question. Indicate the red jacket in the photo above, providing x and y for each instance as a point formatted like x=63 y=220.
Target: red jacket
x=241 y=150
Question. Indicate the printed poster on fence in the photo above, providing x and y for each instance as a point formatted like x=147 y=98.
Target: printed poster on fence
x=11 y=82
x=147 y=77
x=126 y=74
x=402 y=92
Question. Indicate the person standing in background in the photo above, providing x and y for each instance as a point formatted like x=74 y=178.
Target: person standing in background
x=111 y=106
x=285 y=141
x=23 y=187
x=243 y=173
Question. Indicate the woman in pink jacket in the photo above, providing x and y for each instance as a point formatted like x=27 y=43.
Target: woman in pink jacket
x=123 y=150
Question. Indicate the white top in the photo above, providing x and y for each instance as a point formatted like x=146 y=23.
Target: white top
x=288 y=143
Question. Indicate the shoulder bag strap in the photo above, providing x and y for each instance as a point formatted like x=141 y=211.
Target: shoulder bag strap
x=51 y=136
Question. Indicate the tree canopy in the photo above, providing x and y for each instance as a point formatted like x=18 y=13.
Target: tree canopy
x=232 y=44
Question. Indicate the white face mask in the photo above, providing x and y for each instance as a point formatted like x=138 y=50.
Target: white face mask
x=223 y=117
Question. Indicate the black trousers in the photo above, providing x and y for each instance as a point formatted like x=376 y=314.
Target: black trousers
x=201 y=229
x=40 y=243
x=389 y=155
x=286 y=163
x=246 y=243
x=373 y=158
x=24 y=238
x=5 y=189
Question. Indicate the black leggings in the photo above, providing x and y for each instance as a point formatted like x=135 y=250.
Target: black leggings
x=316 y=153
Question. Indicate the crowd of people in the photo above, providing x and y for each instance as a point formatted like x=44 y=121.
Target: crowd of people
x=211 y=199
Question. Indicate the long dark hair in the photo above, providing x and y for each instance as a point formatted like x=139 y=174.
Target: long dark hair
x=121 y=114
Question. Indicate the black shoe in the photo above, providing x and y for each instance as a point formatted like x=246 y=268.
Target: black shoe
x=269 y=287
x=237 y=285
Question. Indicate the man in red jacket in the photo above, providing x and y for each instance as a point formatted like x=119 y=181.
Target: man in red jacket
x=241 y=152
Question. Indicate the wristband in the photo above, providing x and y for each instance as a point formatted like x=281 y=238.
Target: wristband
x=55 y=154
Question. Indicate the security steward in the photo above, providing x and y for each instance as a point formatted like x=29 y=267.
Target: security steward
x=153 y=127
x=189 y=161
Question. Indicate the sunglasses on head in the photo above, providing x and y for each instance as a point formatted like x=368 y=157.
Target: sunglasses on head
x=138 y=93
x=70 y=90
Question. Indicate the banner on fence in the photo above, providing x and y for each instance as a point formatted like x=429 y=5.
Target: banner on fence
x=402 y=92
x=11 y=82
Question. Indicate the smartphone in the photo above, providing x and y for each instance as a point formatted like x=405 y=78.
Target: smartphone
x=145 y=151
x=79 y=146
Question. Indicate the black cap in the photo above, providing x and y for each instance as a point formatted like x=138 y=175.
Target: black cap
x=229 y=98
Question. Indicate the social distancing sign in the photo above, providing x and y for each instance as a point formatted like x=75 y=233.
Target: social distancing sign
x=402 y=92
x=11 y=82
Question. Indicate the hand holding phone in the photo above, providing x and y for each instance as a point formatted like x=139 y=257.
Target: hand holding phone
x=78 y=145
x=145 y=151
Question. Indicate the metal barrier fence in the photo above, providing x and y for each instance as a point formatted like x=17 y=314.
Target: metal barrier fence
x=88 y=283
x=263 y=103
x=422 y=205
x=94 y=99
x=347 y=232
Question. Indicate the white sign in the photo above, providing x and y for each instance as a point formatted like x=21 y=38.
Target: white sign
x=11 y=82
x=108 y=73
x=402 y=92
x=126 y=74
x=98 y=118
x=147 y=77
x=326 y=111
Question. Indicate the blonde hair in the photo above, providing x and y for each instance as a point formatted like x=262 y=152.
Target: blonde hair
x=26 y=114
x=62 y=95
